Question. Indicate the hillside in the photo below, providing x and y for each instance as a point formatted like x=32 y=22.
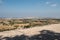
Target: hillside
x=30 y=31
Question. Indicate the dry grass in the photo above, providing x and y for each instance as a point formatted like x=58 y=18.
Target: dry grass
x=4 y=28
x=6 y=24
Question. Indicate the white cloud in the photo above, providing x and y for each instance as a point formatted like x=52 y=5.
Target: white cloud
x=53 y=5
x=47 y=2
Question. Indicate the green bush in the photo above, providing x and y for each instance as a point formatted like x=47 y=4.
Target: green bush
x=27 y=26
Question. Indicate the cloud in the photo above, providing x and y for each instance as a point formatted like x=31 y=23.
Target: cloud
x=47 y=2
x=53 y=5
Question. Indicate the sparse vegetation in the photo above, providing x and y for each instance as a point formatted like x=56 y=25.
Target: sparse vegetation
x=27 y=26
x=16 y=26
x=6 y=24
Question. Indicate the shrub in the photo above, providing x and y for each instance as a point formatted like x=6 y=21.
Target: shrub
x=16 y=26
x=27 y=26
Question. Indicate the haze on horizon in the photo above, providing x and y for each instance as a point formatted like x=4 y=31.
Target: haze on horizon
x=30 y=8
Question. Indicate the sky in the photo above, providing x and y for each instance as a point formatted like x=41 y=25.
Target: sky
x=30 y=8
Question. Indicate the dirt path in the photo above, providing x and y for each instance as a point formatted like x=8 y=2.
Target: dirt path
x=30 y=31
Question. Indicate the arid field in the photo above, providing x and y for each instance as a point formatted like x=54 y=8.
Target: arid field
x=12 y=34
x=29 y=29
x=12 y=24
